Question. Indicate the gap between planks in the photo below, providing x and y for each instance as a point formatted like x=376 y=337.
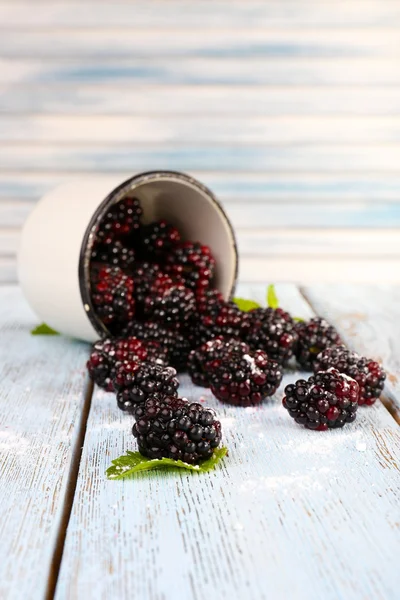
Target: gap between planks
x=69 y=493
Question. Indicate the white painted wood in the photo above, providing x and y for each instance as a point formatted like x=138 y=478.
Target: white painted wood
x=130 y=130
x=8 y=270
x=311 y=243
x=42 y=395
x=207 y=157
x=368 y=318
x=288 y=71
x=178 y=41
x=308 y=270
x=233 y=186
x=287 y=508
x=217 y=99
x=123 y=14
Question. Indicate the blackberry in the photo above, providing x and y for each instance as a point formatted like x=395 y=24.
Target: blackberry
x=235 y=374
x=121 y=220
x=193 y=262
x=369 y=375
x=114 y=254
x=273 y=330
x=173 y=306
x=107 y=353
x=112 y=296
x=204 y=359
x=209 y=301
x=158 y=239
x=175 y=343
x=228 y=321
x=314 y=336
x=136 y=381
x=174 y=428
x=327 y=400
x=144 y=274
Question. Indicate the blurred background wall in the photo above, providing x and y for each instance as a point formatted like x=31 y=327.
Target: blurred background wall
x=288 y=110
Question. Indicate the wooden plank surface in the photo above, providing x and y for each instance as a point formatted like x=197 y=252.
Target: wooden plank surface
x=182 y=41
x=287 y=515
x=206 y=157
x=42 y=401
x=368 y=317
x=216 y=99
x=231 y=13
x=194 y=70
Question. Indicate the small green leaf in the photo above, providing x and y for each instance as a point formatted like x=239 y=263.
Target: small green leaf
x=272 y=299
x=245 y=305
x=298 y=320
x=133 y=462
x=44 y=329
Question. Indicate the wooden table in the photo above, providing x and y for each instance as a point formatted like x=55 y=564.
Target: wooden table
x=289 y=514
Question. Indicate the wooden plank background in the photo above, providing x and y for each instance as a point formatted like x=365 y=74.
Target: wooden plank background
x=289 y=111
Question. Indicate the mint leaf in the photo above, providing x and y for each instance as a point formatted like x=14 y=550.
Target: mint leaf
x=133 y=462
x=44 y=329
x=272 y=299
x=245 y=305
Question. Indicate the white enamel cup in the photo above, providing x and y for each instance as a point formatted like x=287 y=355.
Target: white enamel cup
x=57 y=238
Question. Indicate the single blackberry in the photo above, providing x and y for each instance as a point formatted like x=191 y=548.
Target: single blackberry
x=273 y=330
x=235 y=374
x=136 y=381
x=121 y=220
x=173 y=306
x=107 y=353
x=204 y=359
x=114 y=254
x=158 y=239
x=228 y=322
x=174 y=428
x=175 y=343
x=112 y=296
x=369 y=375
x=209 y=301
x=314 y=336
x=328 y=400
x=144 y=274
x=193 y=262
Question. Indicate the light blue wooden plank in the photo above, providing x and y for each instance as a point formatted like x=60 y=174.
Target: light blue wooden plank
x=242 y=42
x=42 y=381
x=206 y=71
x=109 y=158
x=369 y=320
x=227 y=14
x=357 y=215
x=286 y=498
x=193 y=130
x=198 y=100
x=236 y=187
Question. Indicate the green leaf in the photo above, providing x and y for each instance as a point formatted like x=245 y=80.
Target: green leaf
x=133 y=462
x=272 y=299
x=245 y=305
x=44 y=329
x=298 y=320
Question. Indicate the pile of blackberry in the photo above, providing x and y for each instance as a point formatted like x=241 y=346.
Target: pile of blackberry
x=155 y=294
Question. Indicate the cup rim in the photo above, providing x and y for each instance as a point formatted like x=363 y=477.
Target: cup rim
x=114 y=196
